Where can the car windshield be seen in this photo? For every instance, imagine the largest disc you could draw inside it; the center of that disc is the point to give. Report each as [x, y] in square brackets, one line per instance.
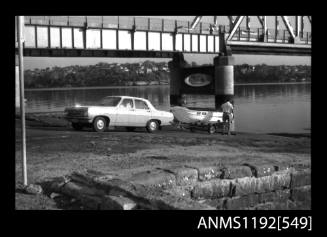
[110, 101]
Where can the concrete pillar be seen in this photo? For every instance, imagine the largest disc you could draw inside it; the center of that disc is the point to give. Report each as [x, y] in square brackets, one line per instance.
[224, 79]
[176, 76]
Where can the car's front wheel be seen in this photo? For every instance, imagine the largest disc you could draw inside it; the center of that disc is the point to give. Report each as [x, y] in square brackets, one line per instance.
[152, 126]
[99, 124]
[77, 126]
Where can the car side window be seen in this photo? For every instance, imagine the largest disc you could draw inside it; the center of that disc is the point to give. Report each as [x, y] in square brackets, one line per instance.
[127, 103]
[139, 104]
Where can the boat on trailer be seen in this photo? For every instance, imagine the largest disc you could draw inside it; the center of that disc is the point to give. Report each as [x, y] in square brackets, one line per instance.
[196, 118]
[186, 115]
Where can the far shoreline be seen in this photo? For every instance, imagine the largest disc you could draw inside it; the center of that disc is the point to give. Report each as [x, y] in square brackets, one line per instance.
[164, 85]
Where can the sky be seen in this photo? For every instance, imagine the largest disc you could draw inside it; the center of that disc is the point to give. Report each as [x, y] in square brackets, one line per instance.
[43, 62]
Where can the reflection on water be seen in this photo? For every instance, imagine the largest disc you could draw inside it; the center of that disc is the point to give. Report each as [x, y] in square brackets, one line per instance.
[259, 108]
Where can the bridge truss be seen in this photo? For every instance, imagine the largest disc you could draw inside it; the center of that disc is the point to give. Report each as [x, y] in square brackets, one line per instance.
[125, 36]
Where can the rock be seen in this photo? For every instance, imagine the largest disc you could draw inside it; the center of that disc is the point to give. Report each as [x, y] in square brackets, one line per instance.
[212, 189]
[117, 203]
[276, 196]
[91, 202]
[54, 195]
[300, 178]
[217, 203]
[208, 173]
[241, 202]
[234, 172]
[185, 175]
[78, 190]
[265, 170]
[276, 181]
[264, 206]
[157, 178]
[33, 189]
[302, 194]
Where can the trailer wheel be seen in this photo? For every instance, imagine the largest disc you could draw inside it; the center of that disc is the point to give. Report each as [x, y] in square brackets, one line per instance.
[211, 129]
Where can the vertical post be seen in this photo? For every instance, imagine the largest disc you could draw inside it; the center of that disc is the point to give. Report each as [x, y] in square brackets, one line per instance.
[265, 32]
[22, 102]
[239, 33]
[35, 30]
[132, 33]
[117, 39]
[297, 26]
[174, 36]
[199, 38]
[276, 28]
[60, 36]
[101, 43]
[160, 41]
[307, 37]
[214, 43]
[302, 26]
[191, 36]
[284, 36]
[84, 32]
[73, 40]
[49, 37]
[147, 36]
[207, 43]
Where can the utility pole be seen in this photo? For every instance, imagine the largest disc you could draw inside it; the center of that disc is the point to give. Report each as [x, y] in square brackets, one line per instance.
[22, 102]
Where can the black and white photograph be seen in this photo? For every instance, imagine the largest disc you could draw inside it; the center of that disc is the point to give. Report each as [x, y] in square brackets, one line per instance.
[163, 112]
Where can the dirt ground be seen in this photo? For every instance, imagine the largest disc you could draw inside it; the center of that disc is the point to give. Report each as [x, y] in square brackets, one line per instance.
[55, 149]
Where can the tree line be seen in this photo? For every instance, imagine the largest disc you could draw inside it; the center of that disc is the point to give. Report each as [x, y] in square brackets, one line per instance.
[150, 73]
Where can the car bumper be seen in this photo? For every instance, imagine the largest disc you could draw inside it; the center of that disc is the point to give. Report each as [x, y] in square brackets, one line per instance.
[78, 119]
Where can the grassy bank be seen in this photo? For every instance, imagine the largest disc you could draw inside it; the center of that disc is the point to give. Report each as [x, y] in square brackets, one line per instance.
[54, 150]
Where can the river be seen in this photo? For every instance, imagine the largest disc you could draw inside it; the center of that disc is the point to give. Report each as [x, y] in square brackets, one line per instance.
[259, 108]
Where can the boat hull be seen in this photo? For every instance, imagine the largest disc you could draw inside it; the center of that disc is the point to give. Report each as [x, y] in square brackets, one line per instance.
[185, 115]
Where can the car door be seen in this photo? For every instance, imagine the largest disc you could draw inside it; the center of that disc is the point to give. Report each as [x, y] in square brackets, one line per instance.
[142, 113]
[125, 110]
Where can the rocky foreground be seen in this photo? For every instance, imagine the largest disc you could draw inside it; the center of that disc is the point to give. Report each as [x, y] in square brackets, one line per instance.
[170, 169]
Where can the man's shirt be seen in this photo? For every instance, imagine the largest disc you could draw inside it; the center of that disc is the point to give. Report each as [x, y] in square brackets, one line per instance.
[227, 107]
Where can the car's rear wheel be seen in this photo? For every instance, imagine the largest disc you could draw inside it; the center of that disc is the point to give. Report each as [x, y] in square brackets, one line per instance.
[130, 129]
[152, 126]
[77, 126]
[99, 124]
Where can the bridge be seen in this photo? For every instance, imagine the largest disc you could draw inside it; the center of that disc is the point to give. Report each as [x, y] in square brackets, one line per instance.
[125, 36]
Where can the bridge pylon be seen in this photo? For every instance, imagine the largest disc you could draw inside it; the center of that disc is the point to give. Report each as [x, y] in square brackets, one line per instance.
[220, 78]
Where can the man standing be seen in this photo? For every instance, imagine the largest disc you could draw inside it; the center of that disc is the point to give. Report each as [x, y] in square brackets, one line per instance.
[227, 108]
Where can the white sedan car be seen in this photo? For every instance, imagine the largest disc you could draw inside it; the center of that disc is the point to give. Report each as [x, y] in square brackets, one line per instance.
[126, 111]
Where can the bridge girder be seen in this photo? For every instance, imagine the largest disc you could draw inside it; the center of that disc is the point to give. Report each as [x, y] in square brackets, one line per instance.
[224, 37]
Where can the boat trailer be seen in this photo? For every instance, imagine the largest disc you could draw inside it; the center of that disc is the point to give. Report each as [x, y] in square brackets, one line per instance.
[210, 127]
